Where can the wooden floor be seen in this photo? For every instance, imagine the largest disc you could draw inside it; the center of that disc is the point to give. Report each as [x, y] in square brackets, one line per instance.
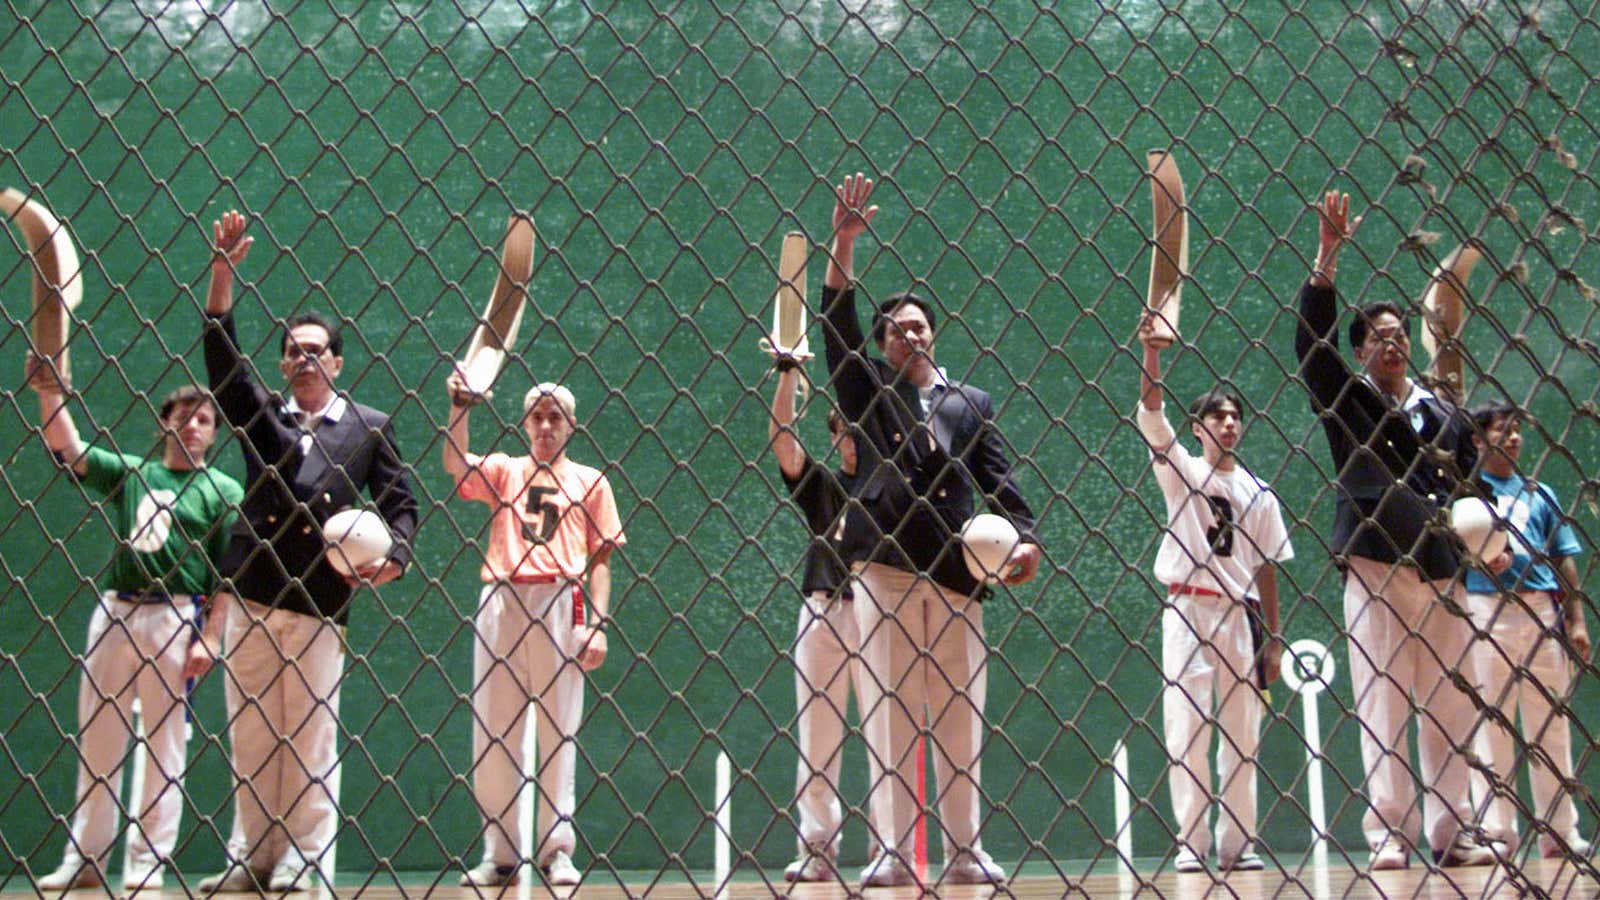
[1551, 878]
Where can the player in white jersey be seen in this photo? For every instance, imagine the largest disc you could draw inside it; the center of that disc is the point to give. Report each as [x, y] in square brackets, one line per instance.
[1223, 536]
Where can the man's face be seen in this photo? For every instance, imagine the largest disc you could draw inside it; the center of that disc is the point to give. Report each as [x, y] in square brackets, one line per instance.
[907, 338]
[1387, 349]
[1503, 438]
[193, 426]
[844, 444]
[1218, 430]
[306, 357]
[548, 429]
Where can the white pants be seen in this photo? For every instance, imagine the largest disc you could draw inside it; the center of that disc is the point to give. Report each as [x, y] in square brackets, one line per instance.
[284, 670]
[827, 665]
[1522, 667]
[924, 649]
[1208, 660]
[525, 654]
[1404, 639]
[135, 651]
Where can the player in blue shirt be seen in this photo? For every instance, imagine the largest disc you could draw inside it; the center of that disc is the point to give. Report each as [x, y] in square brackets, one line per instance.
[1520, 663]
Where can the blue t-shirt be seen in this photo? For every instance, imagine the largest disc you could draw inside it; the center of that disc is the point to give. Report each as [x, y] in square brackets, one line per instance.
[1538, 536]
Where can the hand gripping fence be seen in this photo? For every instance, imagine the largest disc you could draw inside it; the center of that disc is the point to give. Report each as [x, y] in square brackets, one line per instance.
[662, 152]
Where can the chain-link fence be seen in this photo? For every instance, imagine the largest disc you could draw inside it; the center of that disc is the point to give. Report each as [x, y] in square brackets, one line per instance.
[662, 153]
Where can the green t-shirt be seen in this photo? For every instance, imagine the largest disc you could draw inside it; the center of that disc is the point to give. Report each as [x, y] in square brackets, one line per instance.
[172, 526]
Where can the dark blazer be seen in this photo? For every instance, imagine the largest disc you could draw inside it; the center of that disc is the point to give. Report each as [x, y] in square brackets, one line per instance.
[919, 477]
[277, 554]
[1398, 471]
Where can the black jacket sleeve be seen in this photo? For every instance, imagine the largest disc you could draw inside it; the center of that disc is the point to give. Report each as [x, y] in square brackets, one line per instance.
[845, 347]
[992, 471]
[1316, 344]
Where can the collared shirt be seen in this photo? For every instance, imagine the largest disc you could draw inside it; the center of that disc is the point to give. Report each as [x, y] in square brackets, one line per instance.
[333, 412]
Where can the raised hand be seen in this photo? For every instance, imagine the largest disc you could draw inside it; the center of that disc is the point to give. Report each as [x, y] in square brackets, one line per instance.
[230, 245]
[851, 214]
[1337, 227]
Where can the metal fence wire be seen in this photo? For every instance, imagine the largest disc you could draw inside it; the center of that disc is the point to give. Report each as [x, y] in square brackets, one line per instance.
[662, 151]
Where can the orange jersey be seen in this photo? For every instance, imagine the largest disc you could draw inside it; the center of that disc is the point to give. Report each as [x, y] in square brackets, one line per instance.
[547, 521]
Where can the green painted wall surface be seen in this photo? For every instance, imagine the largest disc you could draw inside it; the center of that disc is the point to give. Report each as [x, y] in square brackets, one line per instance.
[663, 153]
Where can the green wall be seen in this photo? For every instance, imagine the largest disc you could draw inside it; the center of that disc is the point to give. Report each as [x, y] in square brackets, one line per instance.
[662, 155]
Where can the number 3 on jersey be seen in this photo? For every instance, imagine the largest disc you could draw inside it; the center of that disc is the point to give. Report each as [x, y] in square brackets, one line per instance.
[549, 514]
[1220, 535]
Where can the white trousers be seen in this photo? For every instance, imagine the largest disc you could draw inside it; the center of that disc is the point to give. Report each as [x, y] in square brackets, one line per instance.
[827, 666]
[1404, 642]
[284, 670]
[1522, 668]
[925, 652]
[1208, 662]
[134, 652]
[524, 654]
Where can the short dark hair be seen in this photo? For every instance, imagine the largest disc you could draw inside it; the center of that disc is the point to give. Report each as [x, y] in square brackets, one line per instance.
[1484, 415]
[189, 394]
[1362, 323]
[335, 339]
[880, 322]
[1213, 400]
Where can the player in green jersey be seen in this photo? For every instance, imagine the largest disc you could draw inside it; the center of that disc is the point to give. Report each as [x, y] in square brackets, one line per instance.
[171, 517]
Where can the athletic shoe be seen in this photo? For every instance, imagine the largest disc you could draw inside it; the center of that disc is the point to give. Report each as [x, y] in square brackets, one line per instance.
[1576, 848]
[973, 867]
[71, 875]
[290, 877]
[145, 875]
[1247, 861]
[488, 874]
[813, 864]
[238, 879]
[559, 871]
[1467, 850]
[886, 870]
[1189, 861]
[1389, 855]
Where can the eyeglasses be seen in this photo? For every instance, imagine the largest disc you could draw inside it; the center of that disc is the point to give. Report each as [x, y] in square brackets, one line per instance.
[303, 351]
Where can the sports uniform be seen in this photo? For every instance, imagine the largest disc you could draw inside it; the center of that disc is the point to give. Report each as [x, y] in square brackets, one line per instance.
[1222, 526]
[1520, 665]
[172, 527]
[827, 658]
[547, 523]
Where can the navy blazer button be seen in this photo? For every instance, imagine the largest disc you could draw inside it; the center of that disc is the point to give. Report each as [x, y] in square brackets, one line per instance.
[897, 437]
[305, 529]
[327, 498]
[943, 493]
[272, 520]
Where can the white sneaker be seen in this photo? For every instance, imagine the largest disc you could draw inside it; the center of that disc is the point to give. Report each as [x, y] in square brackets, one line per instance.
[1389, 855]
[71, 875]
[1575, 848]
[813, 864]
[1188, 861]
[973, 867]
[290, 877]
[143, 875]
[1247, 861]
[1467, 850]
[238, 879]
[490, 874]
[887, 870]
[559, 871]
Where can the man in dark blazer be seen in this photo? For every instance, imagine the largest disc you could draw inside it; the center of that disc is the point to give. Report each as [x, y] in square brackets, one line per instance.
[1402, 455]
[307, 456]
[927, 448]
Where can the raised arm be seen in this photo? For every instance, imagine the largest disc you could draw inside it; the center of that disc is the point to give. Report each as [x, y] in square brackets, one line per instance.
[1152, 418]
[843, 339]
[230, 245]
[780, 425]
[60, 432]
[1316, 339]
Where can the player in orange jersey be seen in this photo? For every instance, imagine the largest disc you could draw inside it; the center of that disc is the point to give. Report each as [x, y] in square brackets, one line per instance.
[555, 524]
